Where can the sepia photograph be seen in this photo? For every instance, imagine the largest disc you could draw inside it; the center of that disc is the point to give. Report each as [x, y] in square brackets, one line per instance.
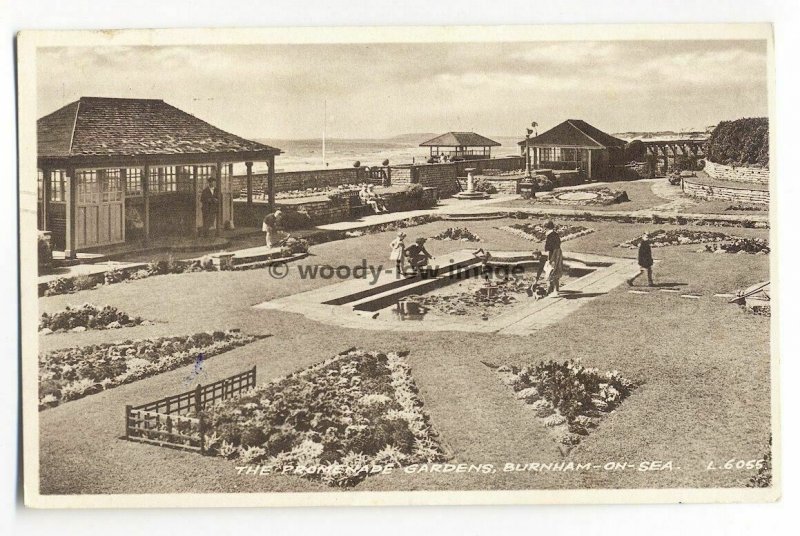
[463, 265]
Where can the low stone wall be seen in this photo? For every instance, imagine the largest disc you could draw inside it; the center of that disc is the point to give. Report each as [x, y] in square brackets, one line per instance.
[737, 174]
[568, 178]
[321, 210]
[727, 192]
[287, 181]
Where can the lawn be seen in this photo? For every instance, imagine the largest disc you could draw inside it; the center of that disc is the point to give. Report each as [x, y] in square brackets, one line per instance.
[702, 366]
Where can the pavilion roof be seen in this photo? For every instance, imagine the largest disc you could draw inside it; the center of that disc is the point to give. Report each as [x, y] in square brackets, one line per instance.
[114, 127]
[575, 133]
[460, 139]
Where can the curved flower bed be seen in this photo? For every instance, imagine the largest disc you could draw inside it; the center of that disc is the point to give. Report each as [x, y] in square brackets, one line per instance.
[537, 233]
[752, 246]
[87, 316]
[457, 233]
[585, 197]
[334, 422]
[679, 237]
[567, 398]
[73, 373]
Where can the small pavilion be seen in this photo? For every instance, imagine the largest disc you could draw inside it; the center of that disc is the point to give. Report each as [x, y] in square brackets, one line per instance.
[461, 146]
[116, 170]
[574, 144]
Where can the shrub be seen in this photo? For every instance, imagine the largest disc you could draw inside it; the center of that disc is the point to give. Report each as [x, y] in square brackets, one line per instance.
[385, 162]
[739, 142]
[482, 185]
[84, 282]
[357, 164]
[635, 151]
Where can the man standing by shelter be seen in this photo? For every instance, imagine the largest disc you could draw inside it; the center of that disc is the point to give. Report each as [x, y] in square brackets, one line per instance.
[209, 203]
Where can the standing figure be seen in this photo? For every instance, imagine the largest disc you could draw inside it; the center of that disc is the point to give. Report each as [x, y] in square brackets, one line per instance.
[398, 254]
[209, 205]
[270, 226]
[555, 258]
[645, 261]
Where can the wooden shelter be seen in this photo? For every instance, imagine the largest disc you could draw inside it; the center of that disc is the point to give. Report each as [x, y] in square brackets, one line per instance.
[574, 144]
[113, 170]
[461, 146]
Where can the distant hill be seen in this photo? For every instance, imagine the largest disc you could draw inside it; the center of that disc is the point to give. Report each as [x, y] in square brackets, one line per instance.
[660, 134]
[413, 137]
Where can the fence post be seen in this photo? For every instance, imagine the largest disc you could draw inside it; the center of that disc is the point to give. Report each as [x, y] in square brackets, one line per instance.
[127, 421]
[253, 383]
[197, 393]
[169, 426]
[201, 428]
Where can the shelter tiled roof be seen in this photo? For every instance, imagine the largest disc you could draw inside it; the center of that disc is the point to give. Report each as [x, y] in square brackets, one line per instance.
[460, 139]
[575, 133]
[98, 126]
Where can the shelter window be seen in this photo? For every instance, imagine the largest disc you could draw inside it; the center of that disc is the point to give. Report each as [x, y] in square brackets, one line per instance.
[133, 182]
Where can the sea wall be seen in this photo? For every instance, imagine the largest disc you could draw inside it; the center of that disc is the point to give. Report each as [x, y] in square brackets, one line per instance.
[737, 174]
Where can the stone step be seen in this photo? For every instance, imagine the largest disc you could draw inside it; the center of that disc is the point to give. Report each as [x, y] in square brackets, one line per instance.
[475, 216]
[263, 263]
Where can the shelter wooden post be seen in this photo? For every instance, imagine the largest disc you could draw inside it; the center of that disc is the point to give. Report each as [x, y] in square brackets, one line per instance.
[71, 195]
[249, 166]
[146, 197]
[46, 187]
[589, 164]
[221, 200]
[271, 183]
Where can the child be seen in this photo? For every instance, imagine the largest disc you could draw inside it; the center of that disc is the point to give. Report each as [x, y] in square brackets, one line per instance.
[645, 261]
[417, 255]
[398, 254]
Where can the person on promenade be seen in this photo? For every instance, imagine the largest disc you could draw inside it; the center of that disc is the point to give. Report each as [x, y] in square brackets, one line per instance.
[209, 205]
[417, 255]
[554, 267]
[398, 254]
[270, 226]
[645, 261]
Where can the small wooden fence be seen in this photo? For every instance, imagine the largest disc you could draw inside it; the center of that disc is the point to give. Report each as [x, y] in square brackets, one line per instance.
[175, 421]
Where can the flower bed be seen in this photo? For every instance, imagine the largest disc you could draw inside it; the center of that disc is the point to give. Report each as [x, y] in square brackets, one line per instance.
[752, 246]
[336, 421]
[87, 316]
[72, 373]
[567, 398]
[584, 197]
[457, 233]
[678, 237]
[537, 233]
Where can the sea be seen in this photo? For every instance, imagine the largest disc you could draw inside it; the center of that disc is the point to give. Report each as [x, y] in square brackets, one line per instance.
[305, 155]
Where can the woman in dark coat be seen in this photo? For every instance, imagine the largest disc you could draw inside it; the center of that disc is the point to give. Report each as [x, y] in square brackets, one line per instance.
[554, 268]
[645, 258]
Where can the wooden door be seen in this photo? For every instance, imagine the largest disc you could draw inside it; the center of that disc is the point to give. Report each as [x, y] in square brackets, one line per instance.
[99, 211]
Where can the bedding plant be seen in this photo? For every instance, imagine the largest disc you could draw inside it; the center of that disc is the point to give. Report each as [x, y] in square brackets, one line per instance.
[87, 316]
[333, 422]
[678, 237]
[569, 399]
[71, 373]
[537, 233]
[457, 233]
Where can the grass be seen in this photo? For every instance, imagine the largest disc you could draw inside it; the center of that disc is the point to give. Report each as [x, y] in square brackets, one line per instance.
[703, 366]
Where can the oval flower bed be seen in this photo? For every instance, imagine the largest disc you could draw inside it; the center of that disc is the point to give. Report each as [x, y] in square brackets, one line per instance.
[679, 237]
[71, 373]
[537, 233]
[752, 246]
[457, 233]
[334, 422]
[567, 398]
[584, 197]
[87, 316]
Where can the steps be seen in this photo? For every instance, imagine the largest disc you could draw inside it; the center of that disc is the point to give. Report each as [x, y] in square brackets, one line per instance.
[474, 216]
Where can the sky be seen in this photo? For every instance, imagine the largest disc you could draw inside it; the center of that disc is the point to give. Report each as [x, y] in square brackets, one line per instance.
[382, 90]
